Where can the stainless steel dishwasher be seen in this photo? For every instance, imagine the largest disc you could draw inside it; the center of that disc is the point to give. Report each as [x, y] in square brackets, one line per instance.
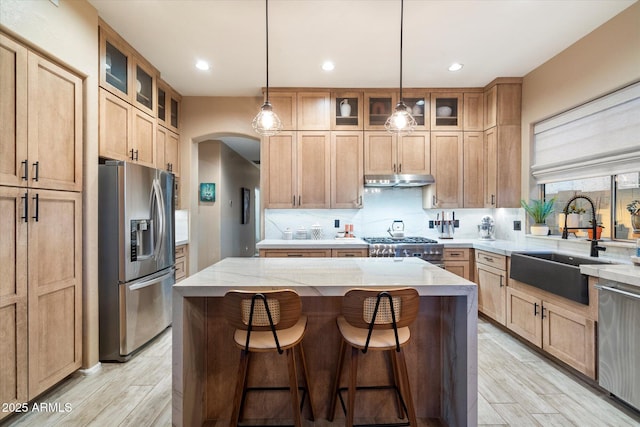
[619, 341]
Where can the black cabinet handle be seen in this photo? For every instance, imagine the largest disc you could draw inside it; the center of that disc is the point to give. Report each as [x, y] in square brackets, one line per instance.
[36, 175]
[535, 308]
[25, 199]
[543, 311]
[131, 154]
[169, 167]
[299, 200]
[25, 175]
[136, 155]
[400, 168]
[493, 199]
[37, 199]
[294, 200]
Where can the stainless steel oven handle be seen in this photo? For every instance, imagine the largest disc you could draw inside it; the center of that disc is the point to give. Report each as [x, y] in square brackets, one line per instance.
[151, 281]
[618, 291]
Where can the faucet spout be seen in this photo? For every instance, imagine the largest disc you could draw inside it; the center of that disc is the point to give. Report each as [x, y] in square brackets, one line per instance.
[594, 225]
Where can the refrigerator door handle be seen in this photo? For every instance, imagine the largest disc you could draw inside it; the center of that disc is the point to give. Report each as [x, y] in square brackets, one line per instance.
[152, 281]
[156, 195]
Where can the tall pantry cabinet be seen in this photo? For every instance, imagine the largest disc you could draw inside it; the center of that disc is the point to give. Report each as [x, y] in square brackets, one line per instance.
[41, 223]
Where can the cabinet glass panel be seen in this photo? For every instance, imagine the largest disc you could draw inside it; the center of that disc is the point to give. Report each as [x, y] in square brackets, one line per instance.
[162, 99]
[379, 111]
[347, 111]
[116, 68]
[417, 109]
[446, 111]
[144, 89]
[174, 113]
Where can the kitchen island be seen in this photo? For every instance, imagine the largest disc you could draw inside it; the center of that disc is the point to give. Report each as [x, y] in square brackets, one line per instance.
[441, 357]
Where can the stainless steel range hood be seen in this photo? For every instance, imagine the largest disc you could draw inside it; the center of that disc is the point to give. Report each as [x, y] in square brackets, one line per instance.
[398, 180]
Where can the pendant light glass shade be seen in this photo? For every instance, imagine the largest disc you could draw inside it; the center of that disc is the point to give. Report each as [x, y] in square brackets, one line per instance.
[267, 122]
[401, 121]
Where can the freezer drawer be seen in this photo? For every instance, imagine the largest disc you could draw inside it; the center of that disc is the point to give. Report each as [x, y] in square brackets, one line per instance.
[145, 309]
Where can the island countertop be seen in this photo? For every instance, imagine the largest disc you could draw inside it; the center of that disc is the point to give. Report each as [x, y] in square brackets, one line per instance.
[442, 356]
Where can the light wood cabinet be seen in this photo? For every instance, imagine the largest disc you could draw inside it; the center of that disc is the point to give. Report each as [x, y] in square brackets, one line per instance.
[13, 297]
[285, 106]
[554, 327]
[419, 104]
[446, 111]
[502, 158]
[298, 170]
[352, 119]
[386, 153]
[167, 150]
[473, 170]
[125, 133]
[447, 169]
[125, 73]
[491, 277]
[314, 111]
[459, 261]
[349, 253]
[473, 117]
[295, 253]
[169, 102]
[182, 262]
[347, 177]
[42, 121]
[41, 207]
[378, 106]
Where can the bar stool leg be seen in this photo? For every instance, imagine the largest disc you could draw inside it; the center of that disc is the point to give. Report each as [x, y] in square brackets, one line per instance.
[306, 380]
[240, 384]
[293, 386]
[407, 389]
[336, 382]
[353, 375]
[397, 382]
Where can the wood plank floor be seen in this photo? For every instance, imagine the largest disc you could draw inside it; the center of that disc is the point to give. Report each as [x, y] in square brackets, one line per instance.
[517, 387]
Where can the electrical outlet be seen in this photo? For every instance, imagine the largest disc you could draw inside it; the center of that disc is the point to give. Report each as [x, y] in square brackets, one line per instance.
[430, 223]
[517, 226]
[336, 223]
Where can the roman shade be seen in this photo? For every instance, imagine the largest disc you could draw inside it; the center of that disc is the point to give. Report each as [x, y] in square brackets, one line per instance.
[599, 138]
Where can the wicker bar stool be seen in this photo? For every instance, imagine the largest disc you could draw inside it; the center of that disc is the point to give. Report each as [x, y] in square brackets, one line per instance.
[269, 321]
[377, 320]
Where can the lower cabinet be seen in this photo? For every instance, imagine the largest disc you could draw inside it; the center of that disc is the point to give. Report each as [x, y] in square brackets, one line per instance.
[182, 262]
[491, 277]
[347, 253]
[554, 327]
[458, 261]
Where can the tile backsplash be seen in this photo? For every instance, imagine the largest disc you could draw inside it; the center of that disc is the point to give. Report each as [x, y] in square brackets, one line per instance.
[381, 208]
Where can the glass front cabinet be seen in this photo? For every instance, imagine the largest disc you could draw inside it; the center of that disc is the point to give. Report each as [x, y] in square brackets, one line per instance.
[346, 111]
[446, 111]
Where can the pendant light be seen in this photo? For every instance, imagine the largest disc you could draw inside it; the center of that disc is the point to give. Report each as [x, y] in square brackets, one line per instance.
[401, 121]
[267, 122]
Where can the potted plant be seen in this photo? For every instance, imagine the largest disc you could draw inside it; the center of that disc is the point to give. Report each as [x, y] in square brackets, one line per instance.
[573, 216]
[634, 210]
[599, 228]
[539, 210]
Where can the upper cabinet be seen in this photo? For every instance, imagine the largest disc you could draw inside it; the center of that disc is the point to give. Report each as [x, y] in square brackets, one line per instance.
[168, 106]
[378, 107]
[285, 106]
[418, 103]
[473, 117]
[446, 111]
[314, 111]
[346, 111]
[125, 73]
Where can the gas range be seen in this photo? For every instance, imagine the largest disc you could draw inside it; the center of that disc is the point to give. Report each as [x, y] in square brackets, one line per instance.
[421, 247]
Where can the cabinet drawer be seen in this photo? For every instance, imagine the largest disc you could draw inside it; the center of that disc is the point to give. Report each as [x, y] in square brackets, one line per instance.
[493, 260]
[181, 251]
[339, 253]
[456, 254]
[181, 271]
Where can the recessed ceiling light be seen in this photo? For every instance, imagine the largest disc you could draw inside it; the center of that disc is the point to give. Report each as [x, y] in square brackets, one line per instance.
[328, 66]
[455, 67]
[202, 65]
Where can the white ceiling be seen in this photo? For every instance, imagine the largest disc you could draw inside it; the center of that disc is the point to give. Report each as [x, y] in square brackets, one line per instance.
[492, 38]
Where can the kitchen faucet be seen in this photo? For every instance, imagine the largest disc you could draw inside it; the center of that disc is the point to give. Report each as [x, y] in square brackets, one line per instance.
[594, 241]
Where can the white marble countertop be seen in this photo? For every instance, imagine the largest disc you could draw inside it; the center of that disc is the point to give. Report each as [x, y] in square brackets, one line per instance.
[623, 273]
[323, 276]
[342, 243]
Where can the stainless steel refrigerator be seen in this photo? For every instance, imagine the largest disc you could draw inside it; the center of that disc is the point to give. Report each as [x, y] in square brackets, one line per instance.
[136, 256]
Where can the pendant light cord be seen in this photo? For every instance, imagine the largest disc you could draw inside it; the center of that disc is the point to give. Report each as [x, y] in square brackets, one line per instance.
[401, 28]
[267, 30]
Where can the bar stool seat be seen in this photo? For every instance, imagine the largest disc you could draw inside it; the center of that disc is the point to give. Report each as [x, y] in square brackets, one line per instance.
[269, 321]
[377, 320]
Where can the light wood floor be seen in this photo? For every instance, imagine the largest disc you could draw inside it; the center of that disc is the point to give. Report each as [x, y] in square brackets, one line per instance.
[517, 387]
